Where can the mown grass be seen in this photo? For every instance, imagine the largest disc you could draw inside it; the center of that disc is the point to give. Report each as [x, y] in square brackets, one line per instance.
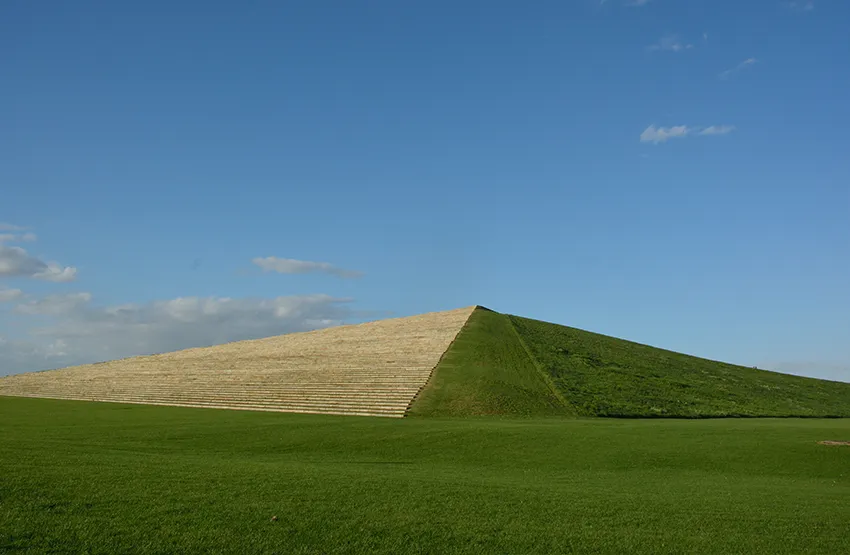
[80, 477]
[605, 376]
[487, 371]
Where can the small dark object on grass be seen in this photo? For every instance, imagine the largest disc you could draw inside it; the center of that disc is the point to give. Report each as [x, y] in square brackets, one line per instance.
[274, 518]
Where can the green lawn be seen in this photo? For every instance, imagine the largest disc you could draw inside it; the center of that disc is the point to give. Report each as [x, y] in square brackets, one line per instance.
[81, 477]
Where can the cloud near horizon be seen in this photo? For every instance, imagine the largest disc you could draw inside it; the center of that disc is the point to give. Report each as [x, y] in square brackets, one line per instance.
[7, 295]
[813, 369]
[79, 332]
[292, 266]
[54, 305]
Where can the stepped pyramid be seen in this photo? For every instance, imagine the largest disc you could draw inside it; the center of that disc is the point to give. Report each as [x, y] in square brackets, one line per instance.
[466, 362]
[373, 369]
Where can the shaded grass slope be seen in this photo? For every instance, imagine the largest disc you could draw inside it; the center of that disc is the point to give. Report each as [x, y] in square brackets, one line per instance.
[102, 478]
[488, 371]
[605, 376]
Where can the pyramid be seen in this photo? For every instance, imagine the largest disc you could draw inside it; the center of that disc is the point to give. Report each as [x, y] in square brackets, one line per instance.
[466, 362]
[373, 369]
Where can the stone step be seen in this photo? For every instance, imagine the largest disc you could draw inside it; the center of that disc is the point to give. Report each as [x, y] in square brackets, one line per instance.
[329, 392]
[268, 398]
[395, 413]
[382, 403]
[397, 384]
[265, 402]
[265, 387]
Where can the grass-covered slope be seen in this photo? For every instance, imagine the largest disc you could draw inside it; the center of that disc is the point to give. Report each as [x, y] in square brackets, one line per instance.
[104, 478]
[604, 376]
[487, 371]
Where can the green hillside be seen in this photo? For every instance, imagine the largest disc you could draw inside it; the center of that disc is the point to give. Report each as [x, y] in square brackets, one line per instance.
[488, 371]
[508, 365]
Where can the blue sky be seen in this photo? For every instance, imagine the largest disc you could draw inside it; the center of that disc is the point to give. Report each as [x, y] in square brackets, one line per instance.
[675, 172]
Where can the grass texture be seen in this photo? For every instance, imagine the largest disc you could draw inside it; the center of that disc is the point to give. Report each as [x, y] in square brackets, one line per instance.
[487, 371]
[605, 376]
[102, 478]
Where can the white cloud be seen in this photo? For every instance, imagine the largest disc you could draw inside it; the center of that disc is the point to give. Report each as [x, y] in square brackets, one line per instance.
[717, 130]
[16, 262]
[54, 305]
[10, 227]
[56, 273]
[80, 332]
[670, 43]
[15, 238]
[656, 135]
[7, 295]
[637, 3]
[291, 266]
[740, 67]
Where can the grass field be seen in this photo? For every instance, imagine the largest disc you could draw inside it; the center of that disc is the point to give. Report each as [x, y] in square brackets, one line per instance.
[79, 477]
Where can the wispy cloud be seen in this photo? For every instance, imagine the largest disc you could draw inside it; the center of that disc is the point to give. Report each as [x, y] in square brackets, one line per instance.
[7, 295]
[11, 227]
[670, 43]
[749, 62]
[17, 238]
[54, 305]
[800, 5]
[637, 3]
[656, 135]
[717, 130]
[291, 266]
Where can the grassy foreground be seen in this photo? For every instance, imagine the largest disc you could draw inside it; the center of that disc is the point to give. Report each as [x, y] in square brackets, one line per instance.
[81, 477]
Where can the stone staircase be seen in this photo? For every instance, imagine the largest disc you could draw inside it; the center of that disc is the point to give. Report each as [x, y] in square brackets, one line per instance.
[371, 369]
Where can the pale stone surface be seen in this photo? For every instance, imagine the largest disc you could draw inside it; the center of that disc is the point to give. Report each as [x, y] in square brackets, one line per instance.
[376, 368]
